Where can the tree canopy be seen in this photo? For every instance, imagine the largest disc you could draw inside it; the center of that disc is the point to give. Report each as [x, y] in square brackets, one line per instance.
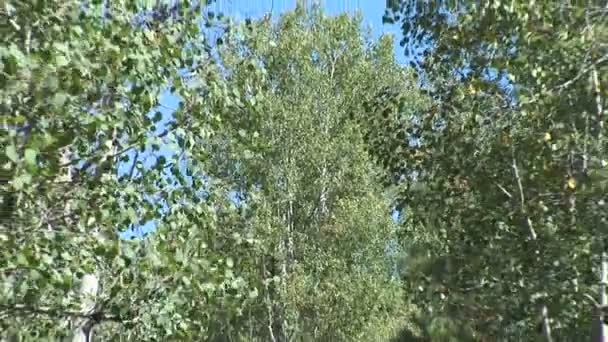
[510, 165]
[271, 222]
[264, 159]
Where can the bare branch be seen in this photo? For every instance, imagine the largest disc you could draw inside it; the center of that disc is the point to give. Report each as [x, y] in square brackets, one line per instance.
[592, 300]
[522, 198]
[133, 165]
[598, 94]
[582, 73]
[502, 188]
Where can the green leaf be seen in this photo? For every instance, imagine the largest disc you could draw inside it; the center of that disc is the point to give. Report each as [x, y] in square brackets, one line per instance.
[132, 215]
[253, 293]
[157, 116]
[11, 153]
[130, 189]
[22, 260]
[35, 274]
[22, 181]
[247, 154]
[61, 61]
[59, 99]
[30, 157]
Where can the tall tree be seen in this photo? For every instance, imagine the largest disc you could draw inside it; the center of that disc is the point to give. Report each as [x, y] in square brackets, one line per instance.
[509, 165]
[270, 222]
[291, 139]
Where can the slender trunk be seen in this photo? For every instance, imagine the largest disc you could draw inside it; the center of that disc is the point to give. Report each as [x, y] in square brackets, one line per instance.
[82, 326]
[546, 324]
[324, 180]
[325, 130]
[600, 331]
[282, 289]
[288, 241]
[269, 297]
[544, 312]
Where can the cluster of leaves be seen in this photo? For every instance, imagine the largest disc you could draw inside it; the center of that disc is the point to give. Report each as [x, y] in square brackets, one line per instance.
[503, 191]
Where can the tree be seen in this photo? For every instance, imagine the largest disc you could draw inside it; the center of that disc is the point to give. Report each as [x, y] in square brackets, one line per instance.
[291, 148]
[270, 222]
[79, 81]
[507, 192]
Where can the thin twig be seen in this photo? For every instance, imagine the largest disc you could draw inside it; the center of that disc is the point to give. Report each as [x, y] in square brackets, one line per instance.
[522, 198]
[585, 144]
[133, 165]
[583, 72]
[519, 185]
[502, 188]
[598, 95]
[89, 162]
[592, 300]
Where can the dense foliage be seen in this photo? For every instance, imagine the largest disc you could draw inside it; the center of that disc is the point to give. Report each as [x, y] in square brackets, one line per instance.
[270, 221]
[297, 162]
[265, 158]
[507, 202]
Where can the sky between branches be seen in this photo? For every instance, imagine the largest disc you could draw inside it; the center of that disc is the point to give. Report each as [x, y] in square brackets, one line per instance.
[371, 11]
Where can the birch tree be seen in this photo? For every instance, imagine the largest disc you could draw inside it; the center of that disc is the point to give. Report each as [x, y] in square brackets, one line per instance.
[292, 139]
[510, 163]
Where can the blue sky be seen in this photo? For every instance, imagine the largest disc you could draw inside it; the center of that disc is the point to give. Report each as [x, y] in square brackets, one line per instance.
[372, 12]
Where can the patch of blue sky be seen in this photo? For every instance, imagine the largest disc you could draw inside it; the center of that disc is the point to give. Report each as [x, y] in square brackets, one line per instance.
[167, 103]
[371, 13]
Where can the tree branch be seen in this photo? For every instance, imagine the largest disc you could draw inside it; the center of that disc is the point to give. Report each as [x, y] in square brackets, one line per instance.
[90, 156]
[25, 310]
[582, 73]
[544, 313]
[522, 198]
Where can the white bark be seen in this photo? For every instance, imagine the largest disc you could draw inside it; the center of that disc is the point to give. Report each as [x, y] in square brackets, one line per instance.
[82, 326]
[600, 331]
[546, 324]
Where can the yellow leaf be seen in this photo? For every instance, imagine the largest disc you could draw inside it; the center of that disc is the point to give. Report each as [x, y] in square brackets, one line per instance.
[90, 220]
[149, 34]
[571, 183]
[547, 136]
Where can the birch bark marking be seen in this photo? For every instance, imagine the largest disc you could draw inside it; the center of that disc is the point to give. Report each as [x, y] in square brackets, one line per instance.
[544, 311]
[600, 331]
[82, 326]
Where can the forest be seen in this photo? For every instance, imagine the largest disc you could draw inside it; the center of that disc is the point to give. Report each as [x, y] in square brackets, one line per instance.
[169, 173]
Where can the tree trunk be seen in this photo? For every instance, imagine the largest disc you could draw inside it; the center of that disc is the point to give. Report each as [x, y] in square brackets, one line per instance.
[599, 329]
[82, 325]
